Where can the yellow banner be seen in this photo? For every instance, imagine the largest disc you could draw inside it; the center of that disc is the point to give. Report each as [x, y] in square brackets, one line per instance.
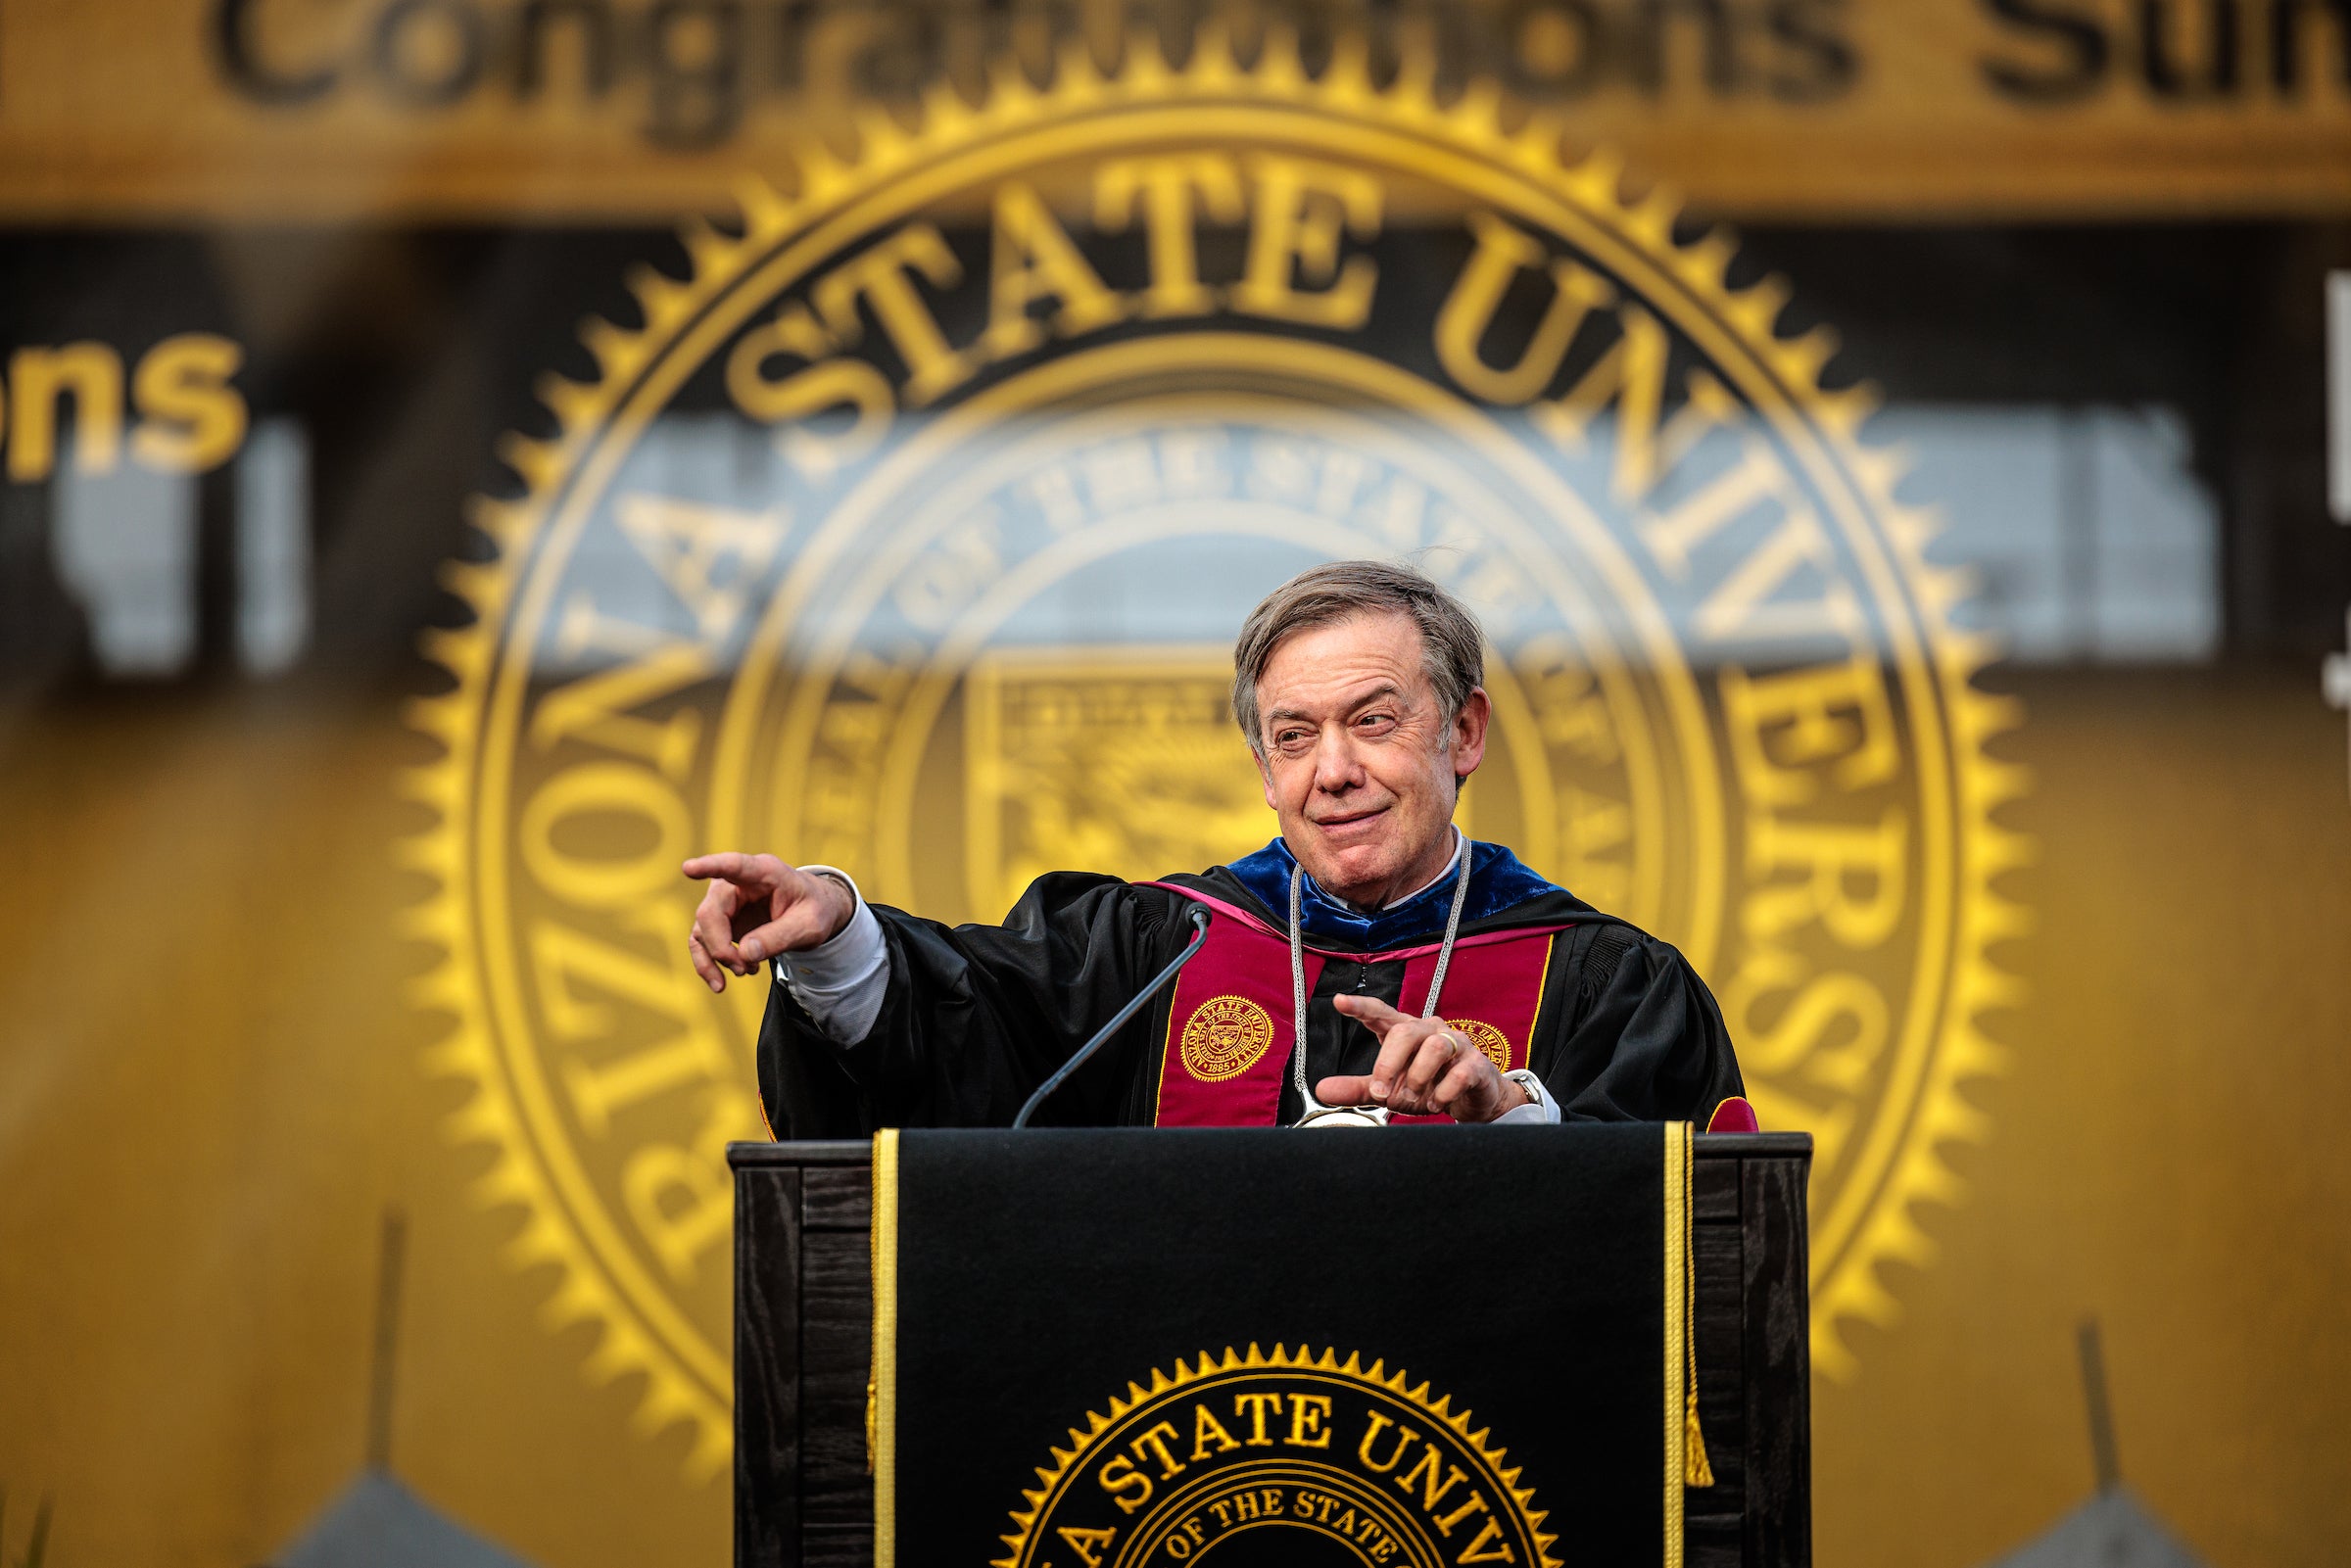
[627, 110]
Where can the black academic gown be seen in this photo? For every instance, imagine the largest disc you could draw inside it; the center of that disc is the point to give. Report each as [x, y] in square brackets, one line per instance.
[978, 1016]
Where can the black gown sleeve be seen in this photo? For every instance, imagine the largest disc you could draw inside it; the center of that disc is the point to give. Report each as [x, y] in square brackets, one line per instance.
[977, 1016]
[1645, 1041]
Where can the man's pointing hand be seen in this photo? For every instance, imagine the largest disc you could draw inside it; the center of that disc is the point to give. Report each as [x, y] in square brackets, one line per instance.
[756, 908]
[1426, 1068]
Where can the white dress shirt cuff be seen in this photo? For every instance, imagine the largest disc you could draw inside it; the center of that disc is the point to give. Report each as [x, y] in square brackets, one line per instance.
[841, 985]
[1539, 1110]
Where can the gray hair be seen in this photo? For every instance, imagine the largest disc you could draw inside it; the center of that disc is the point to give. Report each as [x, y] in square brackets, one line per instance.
[1452, 649]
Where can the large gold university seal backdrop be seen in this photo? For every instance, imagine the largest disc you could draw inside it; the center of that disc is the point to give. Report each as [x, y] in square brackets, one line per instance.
[909, 530]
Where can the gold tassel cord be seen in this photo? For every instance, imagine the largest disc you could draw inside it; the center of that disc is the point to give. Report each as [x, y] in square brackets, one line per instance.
[1695, 1471]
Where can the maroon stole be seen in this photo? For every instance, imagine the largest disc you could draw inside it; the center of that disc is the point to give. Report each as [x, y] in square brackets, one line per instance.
[1230, 1031]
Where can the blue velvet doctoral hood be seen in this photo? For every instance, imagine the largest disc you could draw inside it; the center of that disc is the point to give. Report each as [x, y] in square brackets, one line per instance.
[1497, 882]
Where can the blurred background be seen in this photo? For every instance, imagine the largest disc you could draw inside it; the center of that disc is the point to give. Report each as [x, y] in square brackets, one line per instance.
[297, 1199]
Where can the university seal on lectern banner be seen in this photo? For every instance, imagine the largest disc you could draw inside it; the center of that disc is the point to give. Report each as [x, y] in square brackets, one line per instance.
[908, 526]
[1368, 1462]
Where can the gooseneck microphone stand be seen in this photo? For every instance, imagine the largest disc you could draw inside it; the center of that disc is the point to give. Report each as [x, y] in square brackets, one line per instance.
[1199, 918]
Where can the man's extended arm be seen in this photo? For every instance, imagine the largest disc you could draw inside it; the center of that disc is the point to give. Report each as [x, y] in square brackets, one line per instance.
[925, 1024]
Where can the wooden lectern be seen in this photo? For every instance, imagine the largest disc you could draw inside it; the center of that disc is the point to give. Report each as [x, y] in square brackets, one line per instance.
[803, 1351]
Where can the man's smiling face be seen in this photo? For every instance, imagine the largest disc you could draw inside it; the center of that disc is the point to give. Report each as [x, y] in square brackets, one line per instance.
[1359, 761]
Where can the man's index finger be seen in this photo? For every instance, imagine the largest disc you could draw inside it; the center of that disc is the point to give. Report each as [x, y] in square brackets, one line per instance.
[1369, 1011]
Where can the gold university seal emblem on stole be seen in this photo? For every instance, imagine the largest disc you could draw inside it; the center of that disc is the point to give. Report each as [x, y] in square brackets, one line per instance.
[1224, 1038]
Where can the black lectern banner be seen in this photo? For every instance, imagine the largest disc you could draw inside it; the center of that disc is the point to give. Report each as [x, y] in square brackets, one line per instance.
[1417, 1346]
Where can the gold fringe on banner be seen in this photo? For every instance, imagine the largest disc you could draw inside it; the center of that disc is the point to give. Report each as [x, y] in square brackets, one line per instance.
[882, 1389]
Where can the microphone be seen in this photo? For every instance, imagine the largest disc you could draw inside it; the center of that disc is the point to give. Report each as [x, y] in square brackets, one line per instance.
[1199, 918]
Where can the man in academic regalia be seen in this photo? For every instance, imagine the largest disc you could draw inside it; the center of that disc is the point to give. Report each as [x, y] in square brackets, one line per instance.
[1442, 977]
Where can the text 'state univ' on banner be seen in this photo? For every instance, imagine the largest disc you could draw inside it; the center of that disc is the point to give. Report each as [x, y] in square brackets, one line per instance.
[939, 480]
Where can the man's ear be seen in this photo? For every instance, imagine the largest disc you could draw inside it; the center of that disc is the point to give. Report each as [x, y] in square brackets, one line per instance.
[1264, 780]
[1469, 731]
